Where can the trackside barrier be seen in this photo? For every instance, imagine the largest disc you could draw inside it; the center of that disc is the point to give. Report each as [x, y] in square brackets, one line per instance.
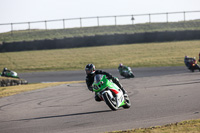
[100, 40]
[101, 21]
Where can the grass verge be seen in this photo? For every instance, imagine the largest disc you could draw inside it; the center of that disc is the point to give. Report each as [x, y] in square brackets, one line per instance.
[190, 126]
[133, 55]
[12, 90]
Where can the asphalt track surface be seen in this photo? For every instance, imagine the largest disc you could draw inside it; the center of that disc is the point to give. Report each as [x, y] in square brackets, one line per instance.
[158, 95]
[38, 77]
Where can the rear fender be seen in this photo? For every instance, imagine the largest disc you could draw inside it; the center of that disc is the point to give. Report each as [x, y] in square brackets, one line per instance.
[119, 96]
[120, 99]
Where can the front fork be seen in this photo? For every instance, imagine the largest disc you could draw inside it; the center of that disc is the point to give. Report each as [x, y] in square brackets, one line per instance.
[119, 98]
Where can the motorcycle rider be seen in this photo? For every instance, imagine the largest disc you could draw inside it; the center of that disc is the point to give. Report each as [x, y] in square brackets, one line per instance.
[91, 72]
[121, 68]
[5, 70]
[187, 61]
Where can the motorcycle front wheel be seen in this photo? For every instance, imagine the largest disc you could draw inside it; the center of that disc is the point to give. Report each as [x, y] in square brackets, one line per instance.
[110, 102]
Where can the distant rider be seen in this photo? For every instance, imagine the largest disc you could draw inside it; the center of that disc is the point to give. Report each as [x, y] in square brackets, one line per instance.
[5, 70]
[121, 69]
[188, 61]
[91, 72]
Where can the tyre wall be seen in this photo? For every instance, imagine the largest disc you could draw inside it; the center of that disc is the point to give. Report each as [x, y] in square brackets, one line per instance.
[12, 82]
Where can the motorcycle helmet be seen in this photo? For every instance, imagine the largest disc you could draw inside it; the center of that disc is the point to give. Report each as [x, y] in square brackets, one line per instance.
[5, 69]
[90, 69]
[120, 65]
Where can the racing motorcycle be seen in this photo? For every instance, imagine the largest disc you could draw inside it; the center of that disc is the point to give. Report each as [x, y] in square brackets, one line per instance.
[11, 74]
[192, 65]
[110, 93]
[127, 73]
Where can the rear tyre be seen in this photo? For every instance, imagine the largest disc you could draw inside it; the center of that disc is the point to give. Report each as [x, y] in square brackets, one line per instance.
[128, 103]
[191, 69]
[132, 76]
[110, 102]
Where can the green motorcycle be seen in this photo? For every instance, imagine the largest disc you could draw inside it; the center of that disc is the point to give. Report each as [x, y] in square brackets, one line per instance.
[127, 72]
[110, 93]
[11, 74]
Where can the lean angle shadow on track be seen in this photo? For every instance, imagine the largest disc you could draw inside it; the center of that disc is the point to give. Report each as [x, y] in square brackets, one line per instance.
[67, 115]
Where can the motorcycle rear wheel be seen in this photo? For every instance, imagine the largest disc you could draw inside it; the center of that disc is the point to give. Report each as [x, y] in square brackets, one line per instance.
[132, 76]
[128, 103]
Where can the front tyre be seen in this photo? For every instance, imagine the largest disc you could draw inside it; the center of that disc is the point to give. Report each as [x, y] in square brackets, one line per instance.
[110, 102]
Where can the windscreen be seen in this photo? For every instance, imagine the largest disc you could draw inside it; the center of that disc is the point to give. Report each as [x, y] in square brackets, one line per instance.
[98, 78]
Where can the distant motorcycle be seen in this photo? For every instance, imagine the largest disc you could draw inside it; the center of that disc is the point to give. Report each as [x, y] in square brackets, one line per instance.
[11, 74]
[127, 73]
[192, 65]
